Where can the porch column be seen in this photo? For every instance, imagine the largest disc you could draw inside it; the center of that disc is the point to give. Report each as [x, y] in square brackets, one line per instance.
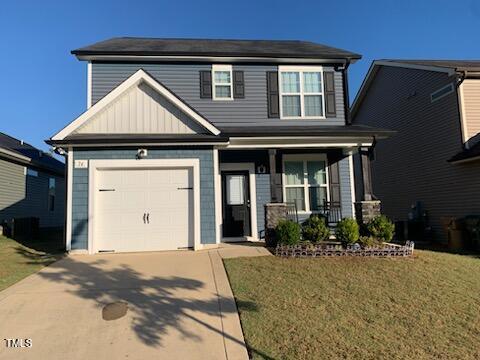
[366, 174]
[369, 207]
[275, 178]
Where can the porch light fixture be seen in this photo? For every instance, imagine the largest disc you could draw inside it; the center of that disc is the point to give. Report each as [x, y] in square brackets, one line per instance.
[141, 154]
[262, 169]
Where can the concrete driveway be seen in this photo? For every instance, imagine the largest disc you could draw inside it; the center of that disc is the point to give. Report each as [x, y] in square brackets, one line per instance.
[180, 306]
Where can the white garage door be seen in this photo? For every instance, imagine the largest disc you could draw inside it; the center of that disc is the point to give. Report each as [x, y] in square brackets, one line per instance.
[143, 209]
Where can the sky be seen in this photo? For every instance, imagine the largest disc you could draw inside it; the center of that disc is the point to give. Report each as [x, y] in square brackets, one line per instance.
[43, 86]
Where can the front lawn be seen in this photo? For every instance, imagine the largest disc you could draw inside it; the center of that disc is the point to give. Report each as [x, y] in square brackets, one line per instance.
[358, 308]
[17, 261]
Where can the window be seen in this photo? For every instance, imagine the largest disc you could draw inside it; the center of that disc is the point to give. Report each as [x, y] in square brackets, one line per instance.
[301, 92]
[235, 188]
[444, 91]
[305, 181]
[222, 82]
[31, 172]
[51, 194]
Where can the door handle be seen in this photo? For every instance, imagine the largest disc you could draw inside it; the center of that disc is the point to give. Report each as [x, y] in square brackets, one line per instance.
[144, 217]
[148, 218]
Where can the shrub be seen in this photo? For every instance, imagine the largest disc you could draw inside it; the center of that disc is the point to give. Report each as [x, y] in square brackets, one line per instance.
[368, 241]
[381, 228]
[347, 231]
[288, 232]
[315, 229]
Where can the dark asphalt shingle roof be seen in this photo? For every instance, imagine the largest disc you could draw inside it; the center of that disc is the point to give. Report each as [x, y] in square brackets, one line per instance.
[214, 47]
[459, 65]
[38, 158]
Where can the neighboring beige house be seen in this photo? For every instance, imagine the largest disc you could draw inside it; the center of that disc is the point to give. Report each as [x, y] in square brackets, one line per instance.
[434, 105]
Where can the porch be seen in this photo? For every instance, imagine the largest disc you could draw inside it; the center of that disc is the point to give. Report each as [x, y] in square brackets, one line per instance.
[306, 180]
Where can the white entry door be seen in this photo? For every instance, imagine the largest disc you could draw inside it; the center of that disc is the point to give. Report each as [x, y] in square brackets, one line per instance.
[143, 209]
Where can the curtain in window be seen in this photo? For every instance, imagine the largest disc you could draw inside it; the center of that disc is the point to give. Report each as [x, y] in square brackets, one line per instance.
[222, 77]
[312, 82]
[313, 105]
[291, 105]
[290, 82]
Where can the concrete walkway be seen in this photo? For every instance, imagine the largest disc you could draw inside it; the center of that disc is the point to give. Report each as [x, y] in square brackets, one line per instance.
[180, 306]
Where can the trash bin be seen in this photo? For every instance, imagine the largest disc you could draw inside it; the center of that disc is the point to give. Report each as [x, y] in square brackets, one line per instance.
[453, 229]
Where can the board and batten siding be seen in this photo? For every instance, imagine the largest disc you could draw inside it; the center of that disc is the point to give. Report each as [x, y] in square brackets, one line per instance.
[471, 109]
[412, 165]
[23, 195]
[184, 81]
[80, 188]
[140, 110]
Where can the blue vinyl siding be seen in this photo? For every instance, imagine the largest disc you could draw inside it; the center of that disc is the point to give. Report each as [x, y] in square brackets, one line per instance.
[262, 183]
[184, 80]
[346, 187]
[80, 188]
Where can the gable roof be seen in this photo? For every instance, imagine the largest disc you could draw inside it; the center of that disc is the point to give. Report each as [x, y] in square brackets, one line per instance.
[467, 68]
[214, 47]
[12, 148]
[135, 79]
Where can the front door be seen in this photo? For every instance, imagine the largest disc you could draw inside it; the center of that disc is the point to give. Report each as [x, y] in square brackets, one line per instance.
[236, 204]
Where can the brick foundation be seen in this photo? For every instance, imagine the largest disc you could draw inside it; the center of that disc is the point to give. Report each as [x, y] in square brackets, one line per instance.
[367, 210]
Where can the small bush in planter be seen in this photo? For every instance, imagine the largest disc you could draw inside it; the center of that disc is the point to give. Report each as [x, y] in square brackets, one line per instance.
[288, 233]
[381, 228]
[315, 229]
[368, 242]
[347, 231]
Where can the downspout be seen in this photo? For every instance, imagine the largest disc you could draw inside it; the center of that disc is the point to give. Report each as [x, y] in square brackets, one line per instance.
[460, 78]
[345, 93]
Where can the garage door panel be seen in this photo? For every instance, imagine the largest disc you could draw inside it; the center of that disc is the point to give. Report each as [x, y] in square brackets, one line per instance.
[164, 194]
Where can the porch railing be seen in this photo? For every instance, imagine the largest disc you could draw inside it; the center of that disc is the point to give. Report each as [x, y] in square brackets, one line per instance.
[332, 211]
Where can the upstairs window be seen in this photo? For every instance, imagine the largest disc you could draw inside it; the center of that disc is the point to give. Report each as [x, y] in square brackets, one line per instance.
[301, 92]
[51, 194]
[222, 82]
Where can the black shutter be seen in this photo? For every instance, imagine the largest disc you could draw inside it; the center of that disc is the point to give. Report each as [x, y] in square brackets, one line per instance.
[334, 182]
[329, 85]
[205, 84]
[238, 85]
[272, 94]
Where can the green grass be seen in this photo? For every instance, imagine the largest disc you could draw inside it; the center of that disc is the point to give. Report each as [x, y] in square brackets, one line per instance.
[426, 307]
[17, 261]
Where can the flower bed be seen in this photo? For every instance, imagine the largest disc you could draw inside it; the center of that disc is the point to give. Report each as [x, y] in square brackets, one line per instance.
[317, 250]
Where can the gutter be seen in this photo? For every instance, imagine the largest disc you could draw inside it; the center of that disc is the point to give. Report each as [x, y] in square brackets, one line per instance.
[346, 97]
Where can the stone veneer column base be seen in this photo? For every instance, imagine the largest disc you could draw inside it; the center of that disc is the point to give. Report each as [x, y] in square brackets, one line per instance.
[367, 210]
[274, 212]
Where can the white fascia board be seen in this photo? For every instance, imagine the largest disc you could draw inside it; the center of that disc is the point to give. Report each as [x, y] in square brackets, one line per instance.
[295, 142]
[14, 155]
[135, 79]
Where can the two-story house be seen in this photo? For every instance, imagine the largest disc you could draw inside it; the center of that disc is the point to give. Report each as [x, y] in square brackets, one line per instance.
[431, 165]
[185, 142]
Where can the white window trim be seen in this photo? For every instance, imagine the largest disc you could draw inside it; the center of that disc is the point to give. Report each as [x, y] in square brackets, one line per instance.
[214, 89]
[450, 86]
[306, 194]
[300, 70]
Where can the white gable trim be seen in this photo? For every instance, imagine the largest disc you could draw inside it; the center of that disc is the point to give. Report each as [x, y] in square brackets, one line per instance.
[135, 79]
